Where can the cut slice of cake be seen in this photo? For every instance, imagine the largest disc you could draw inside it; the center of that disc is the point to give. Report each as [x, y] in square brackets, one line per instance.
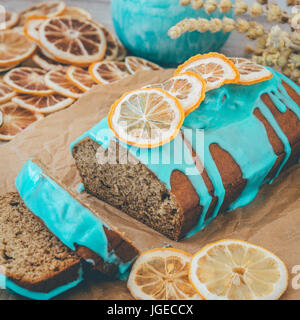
[73, 222]
[239, 138]
[33, 262]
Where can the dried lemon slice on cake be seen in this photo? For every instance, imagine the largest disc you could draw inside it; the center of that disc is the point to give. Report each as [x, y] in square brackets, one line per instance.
[15, 120]
[251, 72]
[6, 92]
[43, 104]
[146, 118]
[214, 68]
[188, 88]
[32, 27]
[73, 40]
[81, 78]
[58, 81]
[28, 80]
[108, 71]
[45, 9]
[135, 64]
[76, 12]
[237, 270]
[162, 274]
[14, 47]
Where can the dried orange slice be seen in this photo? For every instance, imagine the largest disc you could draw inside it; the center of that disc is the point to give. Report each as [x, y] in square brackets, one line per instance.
[57, 80]
[14, 47]
[11, 19]
[108, 71]
[237, 270]
[188, 88]
[43, 104]
[146, 118]
[15, 120]
[6, 92]
[162, 274]
[112, 45]
[44, 62]
[251, 72]
[77, 12]
[135, 64]
[73, 40]
[122, 52]
[32, 27]
[28, 80]
[8, 67]
[46, 9]
[214, 67]
[81, 78]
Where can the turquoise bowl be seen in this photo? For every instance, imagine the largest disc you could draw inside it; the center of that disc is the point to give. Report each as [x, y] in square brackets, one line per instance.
[142, 26]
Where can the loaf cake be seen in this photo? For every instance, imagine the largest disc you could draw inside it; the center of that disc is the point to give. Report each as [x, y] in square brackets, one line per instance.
[76, 225]
[33, 262]
[250, 133]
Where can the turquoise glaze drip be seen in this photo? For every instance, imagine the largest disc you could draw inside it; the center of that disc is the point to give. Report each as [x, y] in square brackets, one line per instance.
[226, 118]
[11, 286]
[64, 216]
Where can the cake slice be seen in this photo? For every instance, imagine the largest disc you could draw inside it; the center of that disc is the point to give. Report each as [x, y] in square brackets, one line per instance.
[250, 133]
[33, 262]
[73, 222]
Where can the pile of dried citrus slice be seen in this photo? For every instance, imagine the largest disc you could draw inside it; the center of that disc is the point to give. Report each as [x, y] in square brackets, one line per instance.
[224, 270]
[50, 54]
[139, 120]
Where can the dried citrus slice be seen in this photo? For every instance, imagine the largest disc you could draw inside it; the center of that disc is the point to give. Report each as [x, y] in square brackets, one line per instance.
[135, 64]
[237, 270]
[8, 67]
[77, 12]
[81, 78]
[251, 72]
[188, 88]
[32, 27]
[146, 118]
[162, 274]
[73, 40]
[214, 67]
[108, 71]
[44, 62]
[43, 104]
[46, 9]
[112, 44]
[28, 80]
[58, 81]
[122, 52]
[6, 92]
[11, 19]
[15, 120]
[14, 47]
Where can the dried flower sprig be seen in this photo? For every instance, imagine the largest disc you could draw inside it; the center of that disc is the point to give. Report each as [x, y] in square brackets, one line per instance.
[274, 47]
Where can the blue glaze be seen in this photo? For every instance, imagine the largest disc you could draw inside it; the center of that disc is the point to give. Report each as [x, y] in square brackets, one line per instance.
[226, 118]
[142, 26]
[80, 188]
[11, 286]
[64, 216]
